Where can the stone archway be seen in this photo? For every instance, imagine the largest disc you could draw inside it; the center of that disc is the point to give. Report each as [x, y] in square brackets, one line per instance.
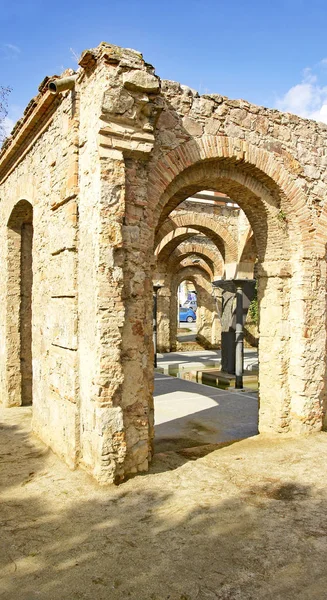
[208, 330]
[212, 258]
[172, 257]
[152, 144]
[19, 305]
[192, 223]
[275, 206]
[265, 200]
[170, 248]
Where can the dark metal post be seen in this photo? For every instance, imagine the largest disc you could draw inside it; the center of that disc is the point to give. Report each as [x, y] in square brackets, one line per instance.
[155, 321]
[155, 291]
[239, 338]
[232, 322]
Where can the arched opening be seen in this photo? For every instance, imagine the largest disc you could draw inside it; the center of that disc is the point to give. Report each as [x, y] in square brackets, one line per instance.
[275, 208]
[197, 244]
[263, 203]
[186, 303]
[196, 234]
[19, 305]
[206, 328]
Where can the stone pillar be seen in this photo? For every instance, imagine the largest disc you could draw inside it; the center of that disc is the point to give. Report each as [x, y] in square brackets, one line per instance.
[215, 328]
[117, 425]
[163, 323]
[291, 346]
[208, 325]
[117, 422]
[274, 394]
[174, 319]
[230, 270]
[307, 324]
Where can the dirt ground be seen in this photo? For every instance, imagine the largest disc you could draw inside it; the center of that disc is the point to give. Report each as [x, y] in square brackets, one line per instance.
[245, 522]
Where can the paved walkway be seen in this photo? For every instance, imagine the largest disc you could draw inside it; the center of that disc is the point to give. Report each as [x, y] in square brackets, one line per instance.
[190, 414]
[201, 359]
[187, 332]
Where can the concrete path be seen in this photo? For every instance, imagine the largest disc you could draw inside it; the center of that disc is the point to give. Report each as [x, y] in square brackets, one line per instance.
[187, 332]
[200, 359]
[189, 414]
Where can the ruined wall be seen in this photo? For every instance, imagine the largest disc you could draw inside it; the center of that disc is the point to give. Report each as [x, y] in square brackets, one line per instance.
[103, 167]
[45, 179]
[273, 165]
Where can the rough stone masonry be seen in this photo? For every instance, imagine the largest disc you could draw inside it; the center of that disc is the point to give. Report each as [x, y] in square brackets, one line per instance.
[88, 179]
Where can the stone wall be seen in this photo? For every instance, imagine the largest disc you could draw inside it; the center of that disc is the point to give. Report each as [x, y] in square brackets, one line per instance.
[38, 170]
[103, 166]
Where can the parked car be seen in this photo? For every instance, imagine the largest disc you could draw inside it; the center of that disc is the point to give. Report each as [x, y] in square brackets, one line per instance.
[191, 304]
[186, 315]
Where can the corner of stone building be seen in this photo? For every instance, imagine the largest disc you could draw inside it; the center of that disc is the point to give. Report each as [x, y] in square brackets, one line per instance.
[119, 108]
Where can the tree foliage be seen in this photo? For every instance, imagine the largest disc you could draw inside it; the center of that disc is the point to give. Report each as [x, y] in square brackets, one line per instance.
[254, 308]
[4, 92]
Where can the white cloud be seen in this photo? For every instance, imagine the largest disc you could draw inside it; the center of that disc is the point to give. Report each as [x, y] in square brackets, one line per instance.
[9, 51]
[308, 98]
[13, 48]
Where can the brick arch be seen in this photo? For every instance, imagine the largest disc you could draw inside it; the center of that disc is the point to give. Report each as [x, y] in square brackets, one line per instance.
[254, 177]
[213, 259]
[25, 191]
[248, 248]
[172, 241]
[186, 262]
[202, 283]
[180, 235]
[194, 274]
[207, 225]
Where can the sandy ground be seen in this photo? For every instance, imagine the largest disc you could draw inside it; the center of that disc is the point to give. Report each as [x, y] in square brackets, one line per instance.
[245, 522]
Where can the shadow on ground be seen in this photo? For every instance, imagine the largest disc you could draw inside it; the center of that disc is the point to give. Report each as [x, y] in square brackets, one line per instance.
[247, 522]
[192, 420]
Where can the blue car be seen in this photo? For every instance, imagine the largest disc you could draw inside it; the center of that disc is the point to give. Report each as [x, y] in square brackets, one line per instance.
[186, 315]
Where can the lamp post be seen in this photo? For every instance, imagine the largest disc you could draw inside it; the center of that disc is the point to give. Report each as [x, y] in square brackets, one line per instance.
[156, 287]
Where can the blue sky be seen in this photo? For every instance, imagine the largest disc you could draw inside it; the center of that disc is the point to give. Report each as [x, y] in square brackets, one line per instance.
[270, 53]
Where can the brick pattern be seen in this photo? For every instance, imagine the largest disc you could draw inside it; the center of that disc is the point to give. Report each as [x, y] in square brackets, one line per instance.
[103, 167]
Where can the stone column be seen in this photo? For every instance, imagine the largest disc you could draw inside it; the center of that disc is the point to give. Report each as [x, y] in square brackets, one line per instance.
[163, 316]
[120, 423]
[291, 346]
[274, 348]
[307, 326]
[208, 325]
[203, 323]
[174, 318]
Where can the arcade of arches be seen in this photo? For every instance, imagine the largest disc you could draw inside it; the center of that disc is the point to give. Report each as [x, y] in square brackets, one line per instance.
[97, 203]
